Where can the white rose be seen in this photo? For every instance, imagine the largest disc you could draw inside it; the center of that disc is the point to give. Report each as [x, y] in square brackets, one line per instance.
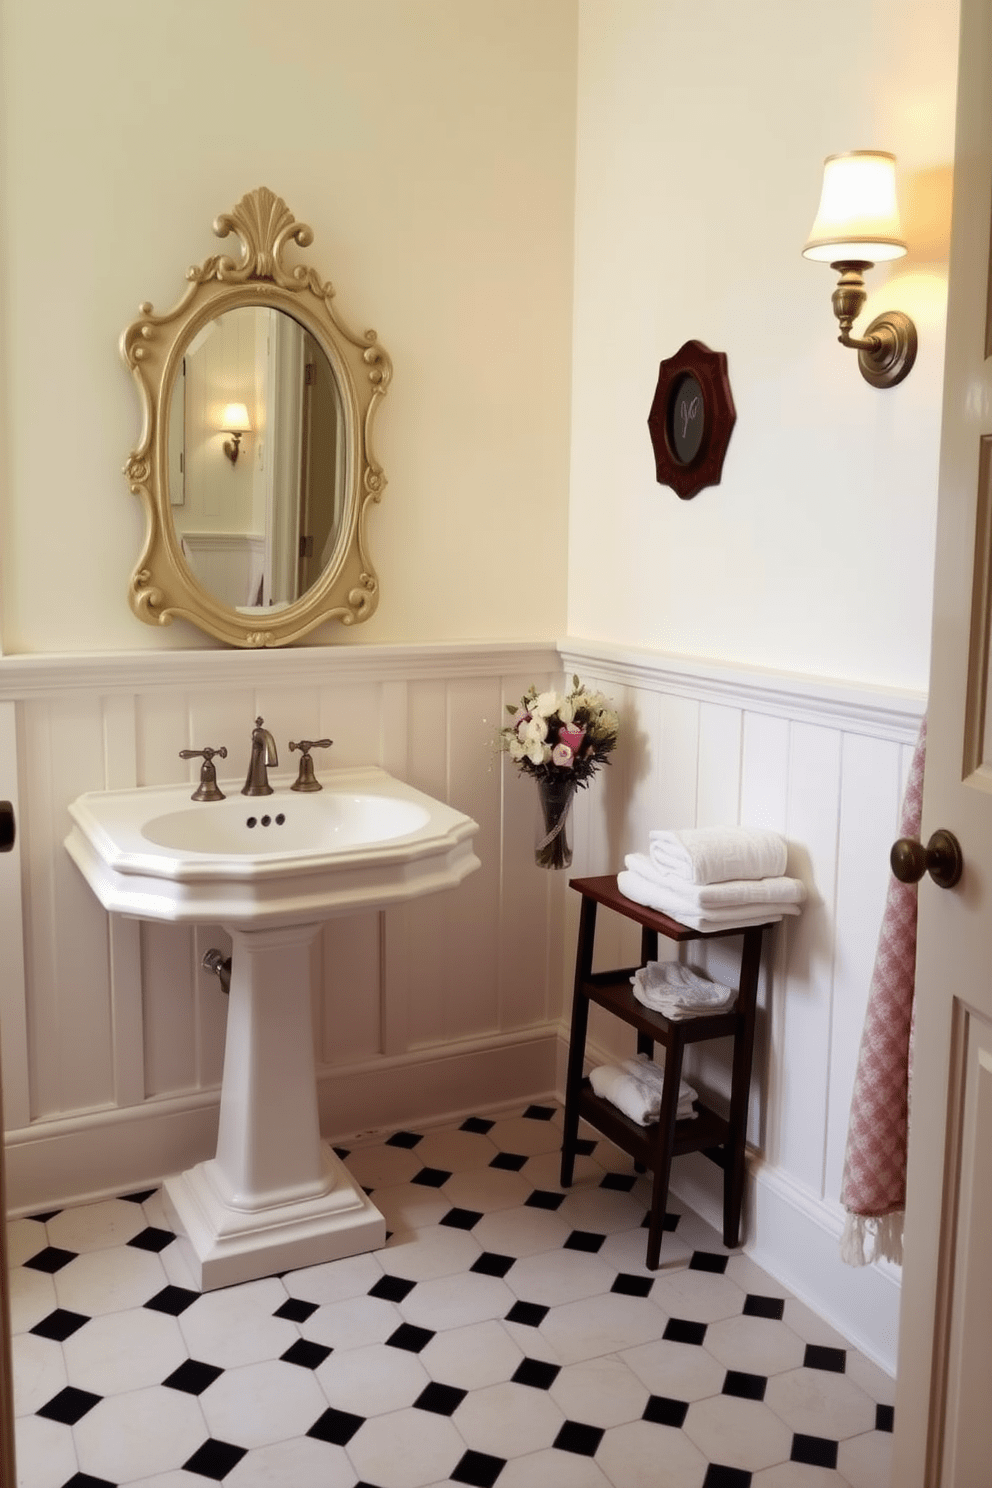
[545, 704]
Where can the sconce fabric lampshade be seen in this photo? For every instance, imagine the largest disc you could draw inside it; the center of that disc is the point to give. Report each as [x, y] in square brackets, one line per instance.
[236, 419]
[858, 216]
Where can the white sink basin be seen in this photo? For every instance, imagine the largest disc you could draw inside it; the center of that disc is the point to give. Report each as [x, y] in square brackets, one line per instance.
[365, 840]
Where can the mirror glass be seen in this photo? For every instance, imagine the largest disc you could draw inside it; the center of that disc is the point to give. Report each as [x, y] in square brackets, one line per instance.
[258, 515]
[255, 462]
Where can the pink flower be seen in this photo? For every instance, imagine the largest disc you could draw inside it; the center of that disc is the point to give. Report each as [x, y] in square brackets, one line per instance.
[562, 755]
[572, 737]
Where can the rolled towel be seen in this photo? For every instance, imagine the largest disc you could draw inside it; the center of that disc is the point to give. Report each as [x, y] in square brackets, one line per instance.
[705, 855]
[653, 1076]
[732, 893]
[677, 992]
[642, 891]
[633, 1090]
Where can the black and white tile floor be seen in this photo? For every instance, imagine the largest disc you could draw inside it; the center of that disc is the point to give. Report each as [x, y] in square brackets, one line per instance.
[508, 1333]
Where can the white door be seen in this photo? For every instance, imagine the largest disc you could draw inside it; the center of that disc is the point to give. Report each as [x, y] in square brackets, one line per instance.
[943, 1421]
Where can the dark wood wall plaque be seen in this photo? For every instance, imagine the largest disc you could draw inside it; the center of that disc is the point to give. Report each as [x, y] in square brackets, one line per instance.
[691, 419]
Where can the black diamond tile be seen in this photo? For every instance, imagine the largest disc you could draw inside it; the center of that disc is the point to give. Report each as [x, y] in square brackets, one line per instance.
[543, 1198]
[69, 1405]
[884, 1418]
[296, 1310]
[461, 1219]
[578, 1438]
[816, 1450]
[152, 1239]
[818, 1357]
[392, 1288]
[665, 1412]
[536, 1373]
[173, 1300]
[442, 1400]
[139, 1198]
[511, 1161]
[632, 1286]
[336, 1426]
[478, 1469]
[410, 1338]
[193, 1377]
[306, 1354]
[477, 1124]
[431, 1177]
[86, 1480]
[44, 1218]
[718, 1476]
[404, 1139]
[214, 1459]
[681, 1330]
[530, 1314]
[620, 1182]
[584, 1240]
[59, 1325]
[342, 1152]
[745, 1386]
[766, 1307]
[708, 1260]
[585, 1146]
[669, 1224]
[540, 1113]
[51, 1259]
[491, 1264]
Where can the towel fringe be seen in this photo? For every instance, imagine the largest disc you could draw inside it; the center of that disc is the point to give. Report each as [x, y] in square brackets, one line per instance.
[866, 1239]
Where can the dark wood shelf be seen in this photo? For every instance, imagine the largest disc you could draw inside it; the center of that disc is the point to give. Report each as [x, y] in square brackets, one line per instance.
[654, 1146]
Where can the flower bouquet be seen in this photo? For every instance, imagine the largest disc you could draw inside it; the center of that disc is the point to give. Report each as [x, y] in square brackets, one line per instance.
[561, 741]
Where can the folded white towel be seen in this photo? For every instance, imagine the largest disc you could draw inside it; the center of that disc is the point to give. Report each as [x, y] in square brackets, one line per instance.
[730, 894]
[635, 1086]
[706, 855]
[642, 891]
[677, 992]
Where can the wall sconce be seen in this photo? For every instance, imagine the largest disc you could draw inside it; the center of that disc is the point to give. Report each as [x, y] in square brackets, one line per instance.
[857, 225]
[235, 423]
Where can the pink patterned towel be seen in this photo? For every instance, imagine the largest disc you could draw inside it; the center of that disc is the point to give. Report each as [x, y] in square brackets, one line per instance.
[874, 1188]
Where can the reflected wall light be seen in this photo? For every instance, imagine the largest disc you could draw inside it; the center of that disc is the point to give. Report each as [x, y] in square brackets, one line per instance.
[235, 422]
[857, 225]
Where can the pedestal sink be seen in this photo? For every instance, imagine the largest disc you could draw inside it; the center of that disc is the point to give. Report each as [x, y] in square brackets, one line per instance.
[270, 869]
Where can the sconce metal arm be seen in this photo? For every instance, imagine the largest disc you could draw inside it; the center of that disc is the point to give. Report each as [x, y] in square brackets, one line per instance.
[887, 351]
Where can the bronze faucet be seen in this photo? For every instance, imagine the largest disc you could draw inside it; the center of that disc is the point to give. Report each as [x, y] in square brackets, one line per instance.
[263, 754]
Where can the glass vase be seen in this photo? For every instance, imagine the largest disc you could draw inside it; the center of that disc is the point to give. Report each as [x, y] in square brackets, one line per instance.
[553, 849]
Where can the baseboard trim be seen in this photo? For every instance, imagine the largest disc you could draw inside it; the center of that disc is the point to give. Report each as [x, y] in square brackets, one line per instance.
[96, 1154]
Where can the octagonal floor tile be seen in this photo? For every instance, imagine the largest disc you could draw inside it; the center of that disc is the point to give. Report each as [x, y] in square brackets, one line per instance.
[602, 1391]
[738, 1433]
[355, 1323]
[508, 1420]
[288, 1464]
[49, 1449]
[679, 1371]
[236, 1325]
[96, 1226]
[758, 1345]
[700, 1295]
[259, 1404]
[39, 1372]
[109, 1280]
[142, 1432]
[486, 1189]
[124, 1351]
[561, 1276]
[631, 1455]
[406, 1449]
[818, 1402]
[455, 1301]
[601, 1325]
[472, 1357]
[335, 1281]
[436, 1250]
[373, 1380]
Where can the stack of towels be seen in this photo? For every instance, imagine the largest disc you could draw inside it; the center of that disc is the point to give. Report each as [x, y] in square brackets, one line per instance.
[635, 1087]
[710, 878]
[677, 991]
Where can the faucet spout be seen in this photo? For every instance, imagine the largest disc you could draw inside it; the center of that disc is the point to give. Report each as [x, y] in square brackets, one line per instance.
[263, 754]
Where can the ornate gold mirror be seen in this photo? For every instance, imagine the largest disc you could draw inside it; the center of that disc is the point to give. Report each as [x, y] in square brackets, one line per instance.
[255, 462]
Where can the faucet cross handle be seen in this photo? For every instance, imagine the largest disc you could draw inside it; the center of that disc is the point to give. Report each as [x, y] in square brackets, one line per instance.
[208, 789]
[307, 780]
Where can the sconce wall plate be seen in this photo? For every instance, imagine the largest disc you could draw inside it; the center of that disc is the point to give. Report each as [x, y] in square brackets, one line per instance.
[691, 419]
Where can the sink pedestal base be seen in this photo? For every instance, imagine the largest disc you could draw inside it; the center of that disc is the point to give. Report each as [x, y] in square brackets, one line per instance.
[274, 1197]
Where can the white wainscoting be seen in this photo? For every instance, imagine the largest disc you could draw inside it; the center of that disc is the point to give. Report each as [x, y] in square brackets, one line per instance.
[113, 1035]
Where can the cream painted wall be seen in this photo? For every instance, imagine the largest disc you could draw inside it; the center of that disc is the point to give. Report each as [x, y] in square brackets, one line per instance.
[701, 134]
[430, 144]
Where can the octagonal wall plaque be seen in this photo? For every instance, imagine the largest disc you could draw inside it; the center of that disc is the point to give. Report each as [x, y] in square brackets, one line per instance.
[691, 419]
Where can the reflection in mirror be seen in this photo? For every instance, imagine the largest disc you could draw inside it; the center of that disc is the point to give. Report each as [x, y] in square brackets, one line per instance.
[255, 463]
[258, 528]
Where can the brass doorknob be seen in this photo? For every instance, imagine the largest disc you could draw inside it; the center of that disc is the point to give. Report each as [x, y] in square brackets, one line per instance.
[941, 858]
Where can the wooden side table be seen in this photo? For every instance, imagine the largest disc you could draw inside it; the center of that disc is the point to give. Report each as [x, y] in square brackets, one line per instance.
[721, 1138]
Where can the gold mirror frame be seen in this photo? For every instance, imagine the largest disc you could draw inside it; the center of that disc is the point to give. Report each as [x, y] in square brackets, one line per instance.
[163, 586]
